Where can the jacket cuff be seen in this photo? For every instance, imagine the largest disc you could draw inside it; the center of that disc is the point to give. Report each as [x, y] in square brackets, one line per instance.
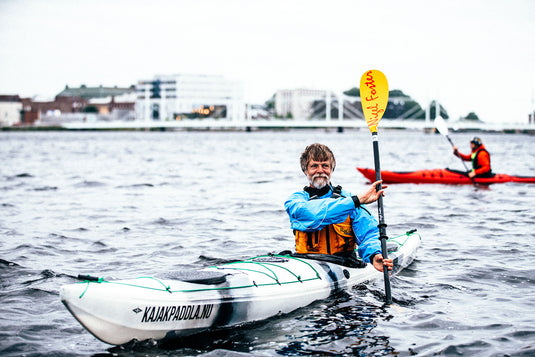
[356, 201]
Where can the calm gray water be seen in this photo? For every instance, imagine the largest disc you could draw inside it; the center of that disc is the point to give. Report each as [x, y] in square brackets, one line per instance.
[128, 204]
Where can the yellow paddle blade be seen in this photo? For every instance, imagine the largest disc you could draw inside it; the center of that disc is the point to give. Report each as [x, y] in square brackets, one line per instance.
[373, 97]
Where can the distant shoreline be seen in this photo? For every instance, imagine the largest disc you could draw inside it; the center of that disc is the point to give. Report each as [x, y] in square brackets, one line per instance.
[248, 129]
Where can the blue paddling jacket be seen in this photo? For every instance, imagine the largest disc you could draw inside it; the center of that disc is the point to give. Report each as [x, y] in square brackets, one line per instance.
[312, 215]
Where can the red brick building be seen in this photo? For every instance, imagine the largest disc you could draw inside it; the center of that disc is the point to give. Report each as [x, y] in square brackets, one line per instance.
[101, 100]
[34, 109]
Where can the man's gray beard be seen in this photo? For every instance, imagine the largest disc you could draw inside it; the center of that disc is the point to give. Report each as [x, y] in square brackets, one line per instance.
[319, 184]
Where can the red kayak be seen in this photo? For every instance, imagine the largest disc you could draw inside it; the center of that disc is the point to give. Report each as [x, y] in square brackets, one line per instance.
[443, 176]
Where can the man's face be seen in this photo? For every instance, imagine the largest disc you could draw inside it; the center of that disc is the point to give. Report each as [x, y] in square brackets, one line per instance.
[319, 173]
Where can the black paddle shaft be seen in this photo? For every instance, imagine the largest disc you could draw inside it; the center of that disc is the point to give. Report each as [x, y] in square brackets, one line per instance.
[382, 225]
[453, 145]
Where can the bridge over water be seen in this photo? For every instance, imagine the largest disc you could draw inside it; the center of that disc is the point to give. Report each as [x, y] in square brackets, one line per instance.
[226, 124]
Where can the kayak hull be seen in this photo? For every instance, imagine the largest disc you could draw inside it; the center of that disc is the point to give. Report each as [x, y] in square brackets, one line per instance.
[441, 176]
[117, 312]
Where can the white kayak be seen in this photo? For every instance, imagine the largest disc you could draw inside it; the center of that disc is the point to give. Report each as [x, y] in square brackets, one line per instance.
[119, 311]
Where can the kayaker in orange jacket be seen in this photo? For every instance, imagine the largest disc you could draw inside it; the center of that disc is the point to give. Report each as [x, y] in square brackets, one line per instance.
[480, 158]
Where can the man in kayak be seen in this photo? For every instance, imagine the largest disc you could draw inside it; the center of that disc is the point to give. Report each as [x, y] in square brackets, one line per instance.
[480, 158]
[328, 219]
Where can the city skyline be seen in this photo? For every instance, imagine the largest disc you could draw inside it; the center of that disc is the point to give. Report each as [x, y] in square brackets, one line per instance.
[472, 56]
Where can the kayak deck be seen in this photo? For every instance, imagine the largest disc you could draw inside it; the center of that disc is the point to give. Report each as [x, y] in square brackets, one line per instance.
[441, 176]
[232, 294]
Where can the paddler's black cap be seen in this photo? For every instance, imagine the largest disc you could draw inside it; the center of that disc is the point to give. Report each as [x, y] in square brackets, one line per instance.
[476, 141]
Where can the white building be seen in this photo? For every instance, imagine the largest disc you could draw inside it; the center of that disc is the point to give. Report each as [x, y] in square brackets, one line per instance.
[298, 102]
[10, 110]
[183, 96]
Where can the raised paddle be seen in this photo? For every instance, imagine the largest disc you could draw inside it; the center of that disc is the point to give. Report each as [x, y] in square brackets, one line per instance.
[374, 98]
[441, 126]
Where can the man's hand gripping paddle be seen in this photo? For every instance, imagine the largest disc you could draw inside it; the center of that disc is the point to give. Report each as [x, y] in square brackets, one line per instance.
[374, 99]
[441, 126]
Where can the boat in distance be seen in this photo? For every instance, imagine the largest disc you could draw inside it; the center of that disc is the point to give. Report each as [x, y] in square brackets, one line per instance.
[441, 176]
[223, 296]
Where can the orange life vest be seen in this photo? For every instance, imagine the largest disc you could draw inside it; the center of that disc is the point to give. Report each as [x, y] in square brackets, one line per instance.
[331, 239]
[481, 162]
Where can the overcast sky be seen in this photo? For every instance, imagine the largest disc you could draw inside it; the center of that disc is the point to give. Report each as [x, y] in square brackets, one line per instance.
[472, 55]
